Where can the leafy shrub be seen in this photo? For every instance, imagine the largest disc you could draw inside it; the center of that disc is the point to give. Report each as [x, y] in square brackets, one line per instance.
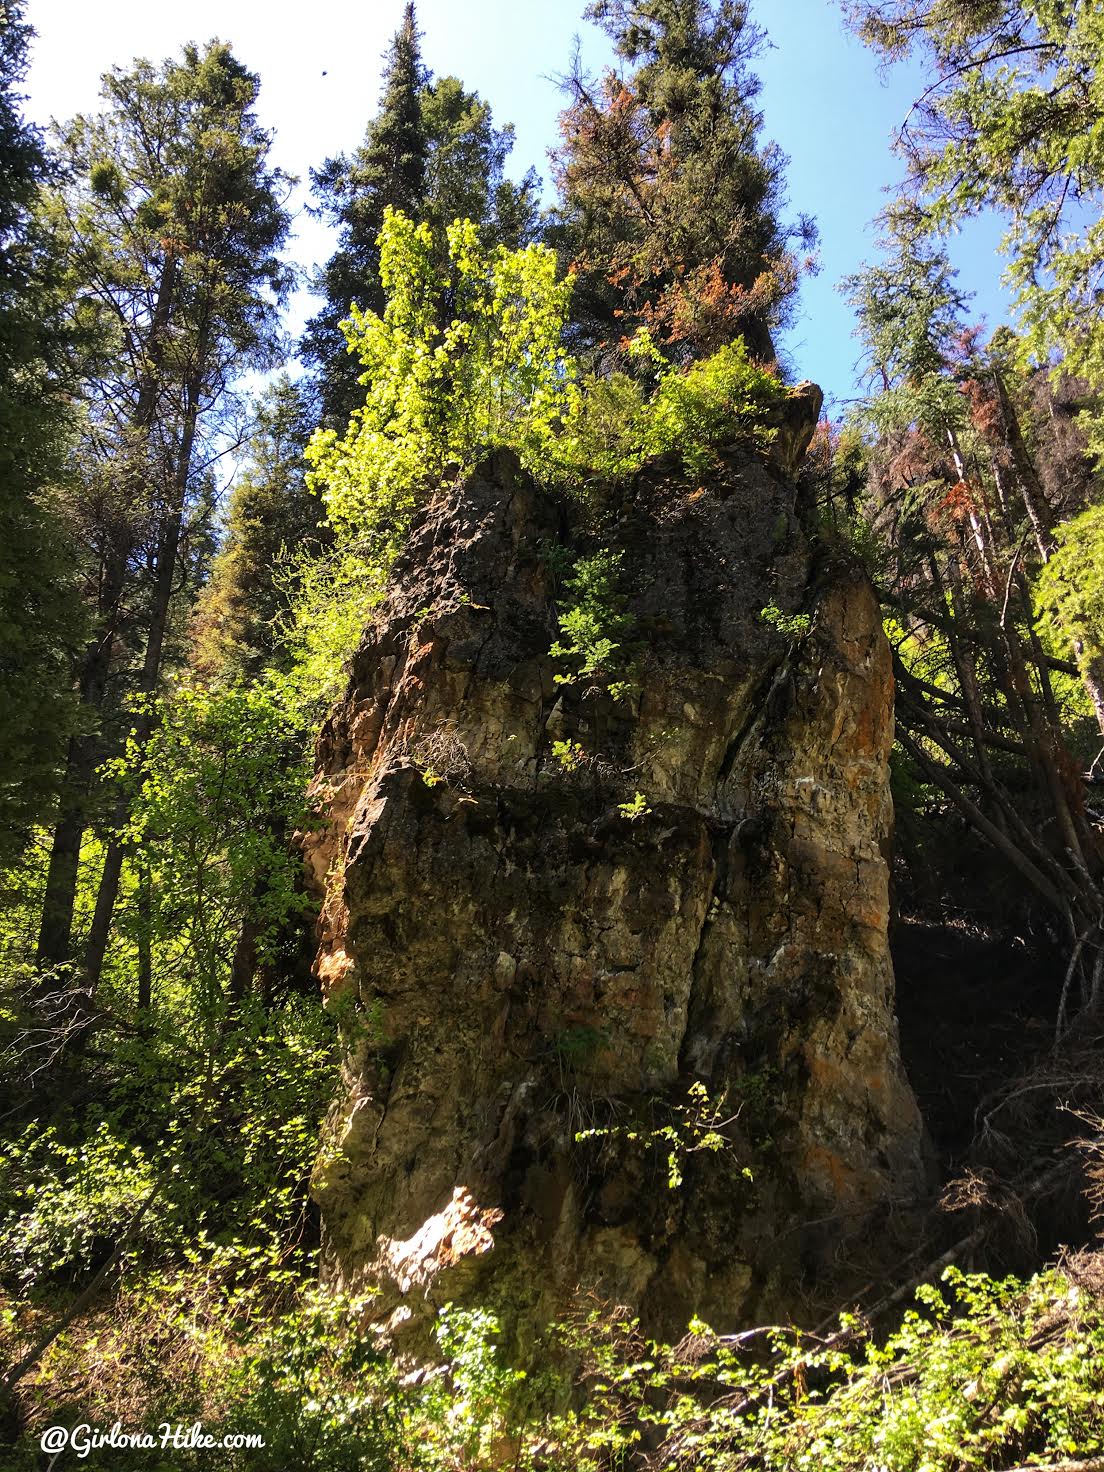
[330, 597]
[319, 1391]
[296, 1365]
[461, 360]
[602, 431]
[790, 625]
[689, 1127]
[592, 621]
[571, 755]
[636, 807]
[470, 358]
[722, 400]
[612, 426]
[66, 1206]
[470, 1413]
[989, 1373]
[213, 795]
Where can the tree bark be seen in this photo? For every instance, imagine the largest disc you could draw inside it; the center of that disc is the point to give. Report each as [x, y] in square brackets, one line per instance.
[167, 551]
[56, 929]
[55, 939]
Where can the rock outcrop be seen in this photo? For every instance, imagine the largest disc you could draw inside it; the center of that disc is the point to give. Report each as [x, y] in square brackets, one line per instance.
[543, 963]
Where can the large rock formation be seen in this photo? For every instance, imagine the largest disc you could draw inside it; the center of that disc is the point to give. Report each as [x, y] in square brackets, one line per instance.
[531, 964]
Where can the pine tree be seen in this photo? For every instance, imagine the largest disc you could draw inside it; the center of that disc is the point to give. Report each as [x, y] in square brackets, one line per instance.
[389, 168]
[670, 207]
[433, 153]
[273, 520]
[910, 310]
[1009, 120]
[176, 221]
[40, 619]
[956, 504]
[466, 168]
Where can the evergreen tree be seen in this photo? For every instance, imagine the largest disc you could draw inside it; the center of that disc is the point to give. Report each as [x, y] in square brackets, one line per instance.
[433, 153]
[1009, 119]
[273, 519]
[959, 511]
[39, 609]
[669, 205]
[389, 168]
[176, 220]
[910, 313]
[466, 168]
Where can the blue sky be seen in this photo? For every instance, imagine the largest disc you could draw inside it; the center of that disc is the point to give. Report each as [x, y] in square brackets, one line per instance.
[824, 99]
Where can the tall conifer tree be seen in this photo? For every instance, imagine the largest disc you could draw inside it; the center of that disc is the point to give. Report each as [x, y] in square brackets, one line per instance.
[432, 152]
[670, 206]
[39, 609]
[1009, 119]
[389, 168]
[177, 221]
[272, 519]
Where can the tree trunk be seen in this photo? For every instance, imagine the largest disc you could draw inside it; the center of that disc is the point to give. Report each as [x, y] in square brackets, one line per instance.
[168, 548]
[56, 929]
[55, 937]
[244, 967]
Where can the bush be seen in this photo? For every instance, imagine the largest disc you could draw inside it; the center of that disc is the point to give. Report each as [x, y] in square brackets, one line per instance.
[613, 427]
[472, 358]
[320, 1392]
[66, 1206]
[984, 1373]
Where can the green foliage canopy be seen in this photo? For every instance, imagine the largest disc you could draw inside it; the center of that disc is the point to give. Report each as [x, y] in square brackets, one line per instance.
[1012, 120]
[433, 153]
[473, 358]
[213, 798]
[442, 391]
[456, 364]
[1070, 586]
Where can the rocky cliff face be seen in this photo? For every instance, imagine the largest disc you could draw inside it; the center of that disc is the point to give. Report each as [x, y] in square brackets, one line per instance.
[530, 964]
